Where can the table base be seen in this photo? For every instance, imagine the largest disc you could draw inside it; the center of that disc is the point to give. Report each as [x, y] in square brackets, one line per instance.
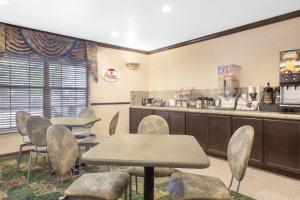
[149, 183]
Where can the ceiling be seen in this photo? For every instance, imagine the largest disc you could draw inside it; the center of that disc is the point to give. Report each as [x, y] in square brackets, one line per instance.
[140, 24]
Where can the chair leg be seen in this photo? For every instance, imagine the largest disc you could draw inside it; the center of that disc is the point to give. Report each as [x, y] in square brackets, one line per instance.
[36, 157]
[130, 187]
[79, 159]
[136, 184]
[20, 155]
[125, 194]
[29, 168]
[238, 187]
[231, 181]
[49, 164]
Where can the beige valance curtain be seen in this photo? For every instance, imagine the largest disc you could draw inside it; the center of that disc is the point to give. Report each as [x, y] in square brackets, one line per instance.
[91, 49]
[2, 39]
[24, 41]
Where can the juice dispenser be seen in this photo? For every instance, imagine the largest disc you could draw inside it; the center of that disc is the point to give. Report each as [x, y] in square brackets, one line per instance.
[290, 78]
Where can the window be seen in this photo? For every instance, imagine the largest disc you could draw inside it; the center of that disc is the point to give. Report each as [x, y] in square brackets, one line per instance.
[67, 83]
[48, 88]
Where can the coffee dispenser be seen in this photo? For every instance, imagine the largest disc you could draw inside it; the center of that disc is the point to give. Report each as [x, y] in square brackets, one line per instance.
[290, 78]
[228, 84]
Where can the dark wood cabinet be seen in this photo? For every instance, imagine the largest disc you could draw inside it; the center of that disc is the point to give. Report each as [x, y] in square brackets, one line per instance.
[196, 126]
[256, 157]
[177, 123]
[163, 114]
[282, 145]
[135, 117]
[218, 134]
[276, 145]
[146, 112]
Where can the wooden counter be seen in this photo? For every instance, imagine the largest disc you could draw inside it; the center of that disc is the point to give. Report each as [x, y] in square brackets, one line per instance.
[276, 144]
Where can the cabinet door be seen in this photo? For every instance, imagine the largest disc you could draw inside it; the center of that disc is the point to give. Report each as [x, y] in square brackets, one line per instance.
[256, 157]
[282, 145]
[196, 126]
[177, 123]
[218, 134]
[163, 114]
[135, 117]
[146, 112]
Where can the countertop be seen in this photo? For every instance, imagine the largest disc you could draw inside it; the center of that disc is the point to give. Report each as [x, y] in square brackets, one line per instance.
[258, 114]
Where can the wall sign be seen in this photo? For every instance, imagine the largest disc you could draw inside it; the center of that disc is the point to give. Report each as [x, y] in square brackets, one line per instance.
[111, 74]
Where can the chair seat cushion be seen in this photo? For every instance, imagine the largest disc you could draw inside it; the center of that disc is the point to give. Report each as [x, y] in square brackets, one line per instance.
[195, 187]
[91, 140]
[158, 171]
[109, 185]
[81, 134]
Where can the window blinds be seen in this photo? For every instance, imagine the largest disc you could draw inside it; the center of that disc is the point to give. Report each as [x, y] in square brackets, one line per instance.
[43, 87]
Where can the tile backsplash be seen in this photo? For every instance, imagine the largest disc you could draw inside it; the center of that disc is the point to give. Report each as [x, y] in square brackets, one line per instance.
[137, 96]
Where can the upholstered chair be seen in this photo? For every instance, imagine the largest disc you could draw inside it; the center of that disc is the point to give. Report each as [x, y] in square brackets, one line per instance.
[62, 149]
[152, 124]
[92, 141]
[197, 187]
[37, 130]
[63, 152]
[113, 124]
[89, 113]
[22, 120]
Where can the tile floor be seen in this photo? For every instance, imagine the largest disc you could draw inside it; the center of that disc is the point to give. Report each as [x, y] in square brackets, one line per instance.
[258, 184]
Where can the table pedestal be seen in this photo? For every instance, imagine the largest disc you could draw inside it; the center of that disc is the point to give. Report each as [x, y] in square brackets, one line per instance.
[149, 183]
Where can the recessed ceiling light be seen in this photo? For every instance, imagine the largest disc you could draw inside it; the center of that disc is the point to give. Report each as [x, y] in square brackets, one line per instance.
[166, 9]
[114, 34]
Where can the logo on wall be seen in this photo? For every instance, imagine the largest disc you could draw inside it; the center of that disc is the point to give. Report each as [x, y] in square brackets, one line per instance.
[111, 74]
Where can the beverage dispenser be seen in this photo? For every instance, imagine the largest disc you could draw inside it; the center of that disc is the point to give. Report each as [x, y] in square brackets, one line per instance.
[228, 83]
[289, 78]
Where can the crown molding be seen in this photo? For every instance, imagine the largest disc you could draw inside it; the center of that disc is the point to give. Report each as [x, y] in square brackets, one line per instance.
[101, 44]
[238, 29]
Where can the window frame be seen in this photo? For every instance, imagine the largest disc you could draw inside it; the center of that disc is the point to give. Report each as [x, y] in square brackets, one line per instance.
[46, 90]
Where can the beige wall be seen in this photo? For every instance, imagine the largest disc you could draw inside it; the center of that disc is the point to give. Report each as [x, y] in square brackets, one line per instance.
[256, 51]
[103, 91]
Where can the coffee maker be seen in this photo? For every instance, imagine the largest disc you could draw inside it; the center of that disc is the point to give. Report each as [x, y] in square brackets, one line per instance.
[290, 79]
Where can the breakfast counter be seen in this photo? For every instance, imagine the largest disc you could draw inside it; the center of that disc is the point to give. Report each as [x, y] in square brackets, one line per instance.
[276, 139]
[256, 114]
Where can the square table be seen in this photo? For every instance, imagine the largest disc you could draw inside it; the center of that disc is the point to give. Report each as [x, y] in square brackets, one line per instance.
[149, 151]
[72, 122]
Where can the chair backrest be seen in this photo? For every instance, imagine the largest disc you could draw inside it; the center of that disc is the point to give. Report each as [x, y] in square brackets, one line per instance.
[22, 118]
[153, 124]
[87, 112]
[62, 149]
[113, 124]
[37, 130]
[238, 151]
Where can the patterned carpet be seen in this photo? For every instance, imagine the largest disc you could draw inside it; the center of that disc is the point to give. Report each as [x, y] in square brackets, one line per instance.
[43, 187]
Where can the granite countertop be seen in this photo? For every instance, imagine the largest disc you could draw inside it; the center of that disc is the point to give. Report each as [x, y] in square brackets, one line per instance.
[259, 114]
